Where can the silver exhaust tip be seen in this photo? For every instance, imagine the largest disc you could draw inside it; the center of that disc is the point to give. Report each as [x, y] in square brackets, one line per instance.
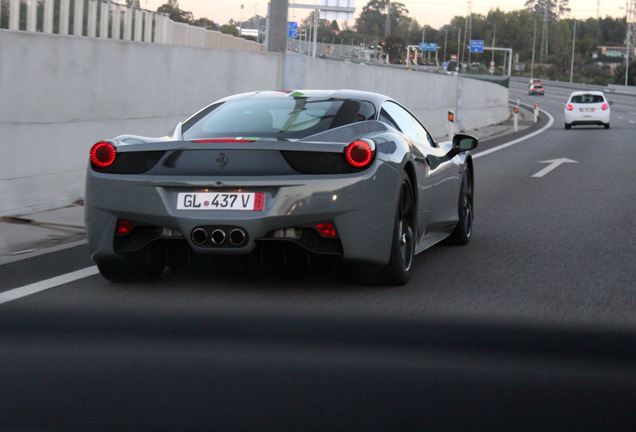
[199, 236]
[217, 236]
[237, 237]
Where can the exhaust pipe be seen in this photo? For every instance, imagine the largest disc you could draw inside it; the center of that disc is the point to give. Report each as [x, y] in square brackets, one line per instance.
[237, 237]
[199, 236]
[217, 236]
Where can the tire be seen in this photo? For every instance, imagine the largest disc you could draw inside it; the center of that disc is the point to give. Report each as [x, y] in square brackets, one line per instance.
[568, 126]
[607, 125]
[464, 230]
[133, 269]
[400, 267]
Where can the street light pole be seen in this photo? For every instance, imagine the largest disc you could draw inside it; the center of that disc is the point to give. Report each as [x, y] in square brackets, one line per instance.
[445, 40]
[492, 59]
[534, 38]
[459, 35]
[573, 45]
[629, 37]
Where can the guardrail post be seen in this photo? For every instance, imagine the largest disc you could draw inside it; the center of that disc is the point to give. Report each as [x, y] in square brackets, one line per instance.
[14, 15]
[91, 25]
[65, 12]
[32, 11]
[47, 25]
[78, 18]
[104, 19]
[116, 21]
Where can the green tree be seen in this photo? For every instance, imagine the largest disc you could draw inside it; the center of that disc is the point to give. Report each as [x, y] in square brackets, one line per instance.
[373, 19]
[325, 30]
[229, 29]
[619, 74]
[175, 13]
[395, 46]
[205, 23]
[555, 9]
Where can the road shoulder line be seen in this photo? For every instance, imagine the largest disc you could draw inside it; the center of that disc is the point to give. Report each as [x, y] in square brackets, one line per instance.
[37, 287]
[518, 140]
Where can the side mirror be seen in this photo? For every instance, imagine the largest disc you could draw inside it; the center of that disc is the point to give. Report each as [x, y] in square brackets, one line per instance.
[611, 103]
[462, 143]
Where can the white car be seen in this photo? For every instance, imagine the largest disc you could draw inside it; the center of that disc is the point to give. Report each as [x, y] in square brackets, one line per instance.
[587, 107]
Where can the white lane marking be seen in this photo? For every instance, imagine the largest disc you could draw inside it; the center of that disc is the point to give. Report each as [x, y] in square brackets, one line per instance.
[518, 140]
[36, 287]
[553, 164]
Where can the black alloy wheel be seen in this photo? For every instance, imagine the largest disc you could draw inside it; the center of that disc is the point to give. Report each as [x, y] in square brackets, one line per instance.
[400, 267]
[464, 229]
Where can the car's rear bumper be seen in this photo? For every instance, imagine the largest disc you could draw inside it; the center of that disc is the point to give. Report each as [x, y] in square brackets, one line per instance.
[361, 207]
[579, 118]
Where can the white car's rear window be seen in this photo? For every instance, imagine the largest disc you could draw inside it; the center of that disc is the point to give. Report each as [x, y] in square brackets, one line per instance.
[587, 99]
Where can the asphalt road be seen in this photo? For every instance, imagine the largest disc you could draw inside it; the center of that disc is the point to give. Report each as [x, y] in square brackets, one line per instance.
[538, 310]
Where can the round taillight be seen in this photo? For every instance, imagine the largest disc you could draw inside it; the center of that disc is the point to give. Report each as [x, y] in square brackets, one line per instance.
[605, 106]
[569, 107]
[359, 154]
[103, 154]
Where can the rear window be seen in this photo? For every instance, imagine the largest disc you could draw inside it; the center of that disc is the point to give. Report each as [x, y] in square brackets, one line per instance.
[587, 98]
[287, 117]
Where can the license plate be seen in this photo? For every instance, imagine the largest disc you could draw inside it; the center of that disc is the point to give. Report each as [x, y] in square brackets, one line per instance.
[220, 201]
[587, 109]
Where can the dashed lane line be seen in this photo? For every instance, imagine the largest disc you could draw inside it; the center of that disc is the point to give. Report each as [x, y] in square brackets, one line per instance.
[37, 287]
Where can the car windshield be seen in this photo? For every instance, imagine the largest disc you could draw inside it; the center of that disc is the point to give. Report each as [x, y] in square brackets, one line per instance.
[287, 117]
[587, 98]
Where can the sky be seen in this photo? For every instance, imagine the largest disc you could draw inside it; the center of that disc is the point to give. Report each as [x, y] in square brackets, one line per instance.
[434, 13]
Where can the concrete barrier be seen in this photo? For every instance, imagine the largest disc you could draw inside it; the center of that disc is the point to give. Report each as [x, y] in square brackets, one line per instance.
[60, 94]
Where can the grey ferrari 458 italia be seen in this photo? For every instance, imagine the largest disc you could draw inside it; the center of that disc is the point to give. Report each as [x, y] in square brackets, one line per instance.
[280, 175]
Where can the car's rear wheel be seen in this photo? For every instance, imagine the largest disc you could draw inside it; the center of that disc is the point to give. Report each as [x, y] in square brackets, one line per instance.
[144, 267]
[607, 125]
[568, 126]
[464, 229]
[400, 266]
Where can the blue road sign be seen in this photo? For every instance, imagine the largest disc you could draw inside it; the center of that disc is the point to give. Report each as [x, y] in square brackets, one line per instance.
[432, 47]
[292, 29]
[477, 46]
[423, 46]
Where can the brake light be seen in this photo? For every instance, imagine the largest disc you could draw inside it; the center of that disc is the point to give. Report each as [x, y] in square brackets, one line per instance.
[359, 154]
[605, 106]
[326, 229]
[124, 227]
[569, 107]
[102, 154]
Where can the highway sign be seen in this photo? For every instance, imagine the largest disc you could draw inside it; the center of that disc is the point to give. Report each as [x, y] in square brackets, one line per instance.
[432, 47]
[423, 46]
[477, 46]
[292, 29]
